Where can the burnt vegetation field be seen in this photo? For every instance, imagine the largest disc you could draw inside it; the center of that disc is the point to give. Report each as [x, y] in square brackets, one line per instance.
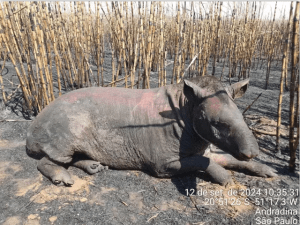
[48, 49]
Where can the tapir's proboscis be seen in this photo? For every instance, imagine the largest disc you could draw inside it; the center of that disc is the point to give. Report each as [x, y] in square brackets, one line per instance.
[164, 131]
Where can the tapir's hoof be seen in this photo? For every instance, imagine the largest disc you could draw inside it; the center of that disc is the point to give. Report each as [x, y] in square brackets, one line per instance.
[90, 166]
[95, 167]
[219, 175]
[226, 181]
[263, 170]
[56, 173]
[62, 179]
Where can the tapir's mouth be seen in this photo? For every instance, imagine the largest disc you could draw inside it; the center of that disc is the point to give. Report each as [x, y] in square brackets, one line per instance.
[244, 157]
[239, 155]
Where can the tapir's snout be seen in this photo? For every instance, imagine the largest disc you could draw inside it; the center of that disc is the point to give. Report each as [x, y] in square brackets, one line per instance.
[247, 155]
[246, 143]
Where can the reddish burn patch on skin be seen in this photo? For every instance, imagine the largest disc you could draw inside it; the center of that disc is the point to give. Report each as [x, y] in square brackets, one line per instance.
[151, 104]
[214, 105]
[118, 95]
[141, 101]
[219, 158]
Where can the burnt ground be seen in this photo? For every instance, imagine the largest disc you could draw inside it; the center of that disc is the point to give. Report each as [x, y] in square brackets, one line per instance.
[134, 197]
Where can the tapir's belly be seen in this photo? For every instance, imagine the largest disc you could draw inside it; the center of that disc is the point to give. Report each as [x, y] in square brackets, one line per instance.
[123, 143]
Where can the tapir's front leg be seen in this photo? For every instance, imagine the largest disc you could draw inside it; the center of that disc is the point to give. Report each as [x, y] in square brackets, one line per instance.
[194, 163]
[228, 161]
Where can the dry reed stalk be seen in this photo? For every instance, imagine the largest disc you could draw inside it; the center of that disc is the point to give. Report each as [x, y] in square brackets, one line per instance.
[132, 74]
[48, 55]
[47, 59]
[58, 46]
[253, 39]
[199, 41]
[147, 65]
[23, 85]
[86, 61]
[135, 43]
[231, 38]
[118, 43]
[80, 39]
[8, 43]
[44, 100]
[112, 42]
[122, 52]
[177, 35]
[297, 122]
[283, 74]
[295, 59]
[84, 47]
[57, 58]
[183, 45]
[154, 42]
[40, 53]
[288, 48]
[102, 55]
[141, 42]
[98, 54]
[130, 43]
[246, 61]
[164, 55]
[34, 80]
[12, 27]
[161, 59]
[1, 79]
[193, 35]
[76, 33]
[217, 40]
[18, 32]
[270, 50]
[207, 46]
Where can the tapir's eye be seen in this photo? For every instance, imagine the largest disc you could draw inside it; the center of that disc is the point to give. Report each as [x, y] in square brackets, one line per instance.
[223, 128]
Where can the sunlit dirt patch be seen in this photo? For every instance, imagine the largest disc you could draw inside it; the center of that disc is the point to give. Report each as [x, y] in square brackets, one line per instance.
[14, 220]
[136, 199]
[231, 200]
[26, 185]
[33, 219]
[5, 144]
[8, 169]
[52, 219]
[74, 193]
[171, 204]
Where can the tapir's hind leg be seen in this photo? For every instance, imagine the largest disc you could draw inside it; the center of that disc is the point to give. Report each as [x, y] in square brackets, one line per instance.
[89, 166]
[229, 162]
[56, 173]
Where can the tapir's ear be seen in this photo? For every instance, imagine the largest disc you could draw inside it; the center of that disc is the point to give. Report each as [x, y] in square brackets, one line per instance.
[191, 90]
[238, 89]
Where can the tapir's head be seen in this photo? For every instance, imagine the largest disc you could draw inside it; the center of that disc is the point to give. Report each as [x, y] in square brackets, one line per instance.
[217, 119]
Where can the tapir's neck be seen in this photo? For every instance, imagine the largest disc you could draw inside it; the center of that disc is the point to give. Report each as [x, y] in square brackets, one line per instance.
[181, 107]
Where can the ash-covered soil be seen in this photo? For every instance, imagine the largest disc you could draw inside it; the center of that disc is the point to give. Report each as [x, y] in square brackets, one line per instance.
[133, 197]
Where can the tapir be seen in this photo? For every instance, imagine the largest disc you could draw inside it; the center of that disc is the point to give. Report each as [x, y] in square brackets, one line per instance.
[165, 131]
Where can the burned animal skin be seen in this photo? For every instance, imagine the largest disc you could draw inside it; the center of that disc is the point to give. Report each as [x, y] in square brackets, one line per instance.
[164, 131]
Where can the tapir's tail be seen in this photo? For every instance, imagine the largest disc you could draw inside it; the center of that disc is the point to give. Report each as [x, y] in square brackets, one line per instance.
[33, 149]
